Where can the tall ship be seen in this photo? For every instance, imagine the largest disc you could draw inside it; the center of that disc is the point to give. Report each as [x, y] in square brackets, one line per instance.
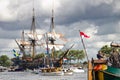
[49, 41]
[27, 46]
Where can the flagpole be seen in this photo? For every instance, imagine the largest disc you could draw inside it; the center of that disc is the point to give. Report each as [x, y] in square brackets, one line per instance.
[85, 54]
[84, 46]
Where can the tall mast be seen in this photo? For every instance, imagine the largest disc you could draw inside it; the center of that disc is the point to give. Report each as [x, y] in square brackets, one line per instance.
[23, 42]
[33, 28]
[52, 19]
[52, 35]
[23, 38]
[52, 30]
[33, 32]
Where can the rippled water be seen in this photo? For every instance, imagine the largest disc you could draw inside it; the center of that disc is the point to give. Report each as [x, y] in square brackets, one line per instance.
[32, 76]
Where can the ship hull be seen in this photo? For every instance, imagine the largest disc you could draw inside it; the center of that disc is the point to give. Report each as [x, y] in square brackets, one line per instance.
[110, 73]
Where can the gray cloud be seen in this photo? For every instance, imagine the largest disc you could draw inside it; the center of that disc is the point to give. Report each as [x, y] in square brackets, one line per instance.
[97, 18]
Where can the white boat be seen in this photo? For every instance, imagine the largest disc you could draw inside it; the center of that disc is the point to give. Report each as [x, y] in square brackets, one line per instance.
[2, 69]
[67, 72]
[77, 70]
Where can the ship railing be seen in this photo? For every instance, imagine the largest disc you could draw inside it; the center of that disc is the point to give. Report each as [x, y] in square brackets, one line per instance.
[110, 76]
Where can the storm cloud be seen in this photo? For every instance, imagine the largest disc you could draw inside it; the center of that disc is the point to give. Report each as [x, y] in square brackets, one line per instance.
[100, 19]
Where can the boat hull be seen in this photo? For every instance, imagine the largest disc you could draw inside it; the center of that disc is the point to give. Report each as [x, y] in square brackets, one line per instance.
[109, 74]
[112, 73]
[68, 73]
[100, 71]
[52, 73]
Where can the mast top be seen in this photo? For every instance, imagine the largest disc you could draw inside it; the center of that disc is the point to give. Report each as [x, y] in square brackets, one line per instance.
[33, 23]
[52, 30]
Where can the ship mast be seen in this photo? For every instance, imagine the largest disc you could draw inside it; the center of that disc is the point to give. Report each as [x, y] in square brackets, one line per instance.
[54, 37]
[52, 22]
[23, 46]
[33, 34]
[33, 37]
[52, 28]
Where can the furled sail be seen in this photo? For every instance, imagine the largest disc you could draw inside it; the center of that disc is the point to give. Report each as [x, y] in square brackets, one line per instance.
[34, 36]
[56, 46]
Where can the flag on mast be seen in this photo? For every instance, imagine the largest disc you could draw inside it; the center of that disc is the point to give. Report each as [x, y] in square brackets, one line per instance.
[84, 35]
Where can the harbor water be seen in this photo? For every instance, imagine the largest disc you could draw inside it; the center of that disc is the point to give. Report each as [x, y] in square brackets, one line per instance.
[32, 76]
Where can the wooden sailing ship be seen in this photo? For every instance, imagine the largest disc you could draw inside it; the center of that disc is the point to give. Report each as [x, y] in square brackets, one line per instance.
[29, 46]
[48, 40]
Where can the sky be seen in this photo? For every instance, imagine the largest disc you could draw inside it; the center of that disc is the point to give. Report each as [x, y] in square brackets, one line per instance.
[100, 19]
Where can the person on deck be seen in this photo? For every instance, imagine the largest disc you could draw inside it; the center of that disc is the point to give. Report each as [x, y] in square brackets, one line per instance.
[100, 55]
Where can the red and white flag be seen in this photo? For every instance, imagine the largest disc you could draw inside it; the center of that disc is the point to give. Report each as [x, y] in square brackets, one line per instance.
[64, 59]
[84, 35]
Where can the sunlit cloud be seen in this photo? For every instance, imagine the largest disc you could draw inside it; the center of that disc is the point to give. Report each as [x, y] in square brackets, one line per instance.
[5, 12]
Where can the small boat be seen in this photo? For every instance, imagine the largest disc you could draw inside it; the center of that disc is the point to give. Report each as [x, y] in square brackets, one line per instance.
[51, 72]
[2, 69]
[77, 70]
[68, 72]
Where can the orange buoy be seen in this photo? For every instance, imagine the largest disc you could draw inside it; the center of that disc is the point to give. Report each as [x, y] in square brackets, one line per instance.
[98, 67]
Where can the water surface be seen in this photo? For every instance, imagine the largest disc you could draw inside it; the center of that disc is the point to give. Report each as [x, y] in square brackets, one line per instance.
[32, 76]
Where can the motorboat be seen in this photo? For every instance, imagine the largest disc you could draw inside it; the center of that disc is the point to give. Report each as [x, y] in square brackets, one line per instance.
[77, 69]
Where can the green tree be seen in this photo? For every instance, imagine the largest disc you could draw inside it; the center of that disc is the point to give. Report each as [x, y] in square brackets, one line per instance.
[106, 49]
[80, 55]
[76, 55]
[5, 61]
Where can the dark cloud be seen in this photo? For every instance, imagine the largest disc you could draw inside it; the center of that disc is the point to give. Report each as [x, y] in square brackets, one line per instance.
[73, 12]
[99, 18]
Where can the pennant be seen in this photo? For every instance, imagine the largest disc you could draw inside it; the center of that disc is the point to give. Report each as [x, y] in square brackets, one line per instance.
[85, 35]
